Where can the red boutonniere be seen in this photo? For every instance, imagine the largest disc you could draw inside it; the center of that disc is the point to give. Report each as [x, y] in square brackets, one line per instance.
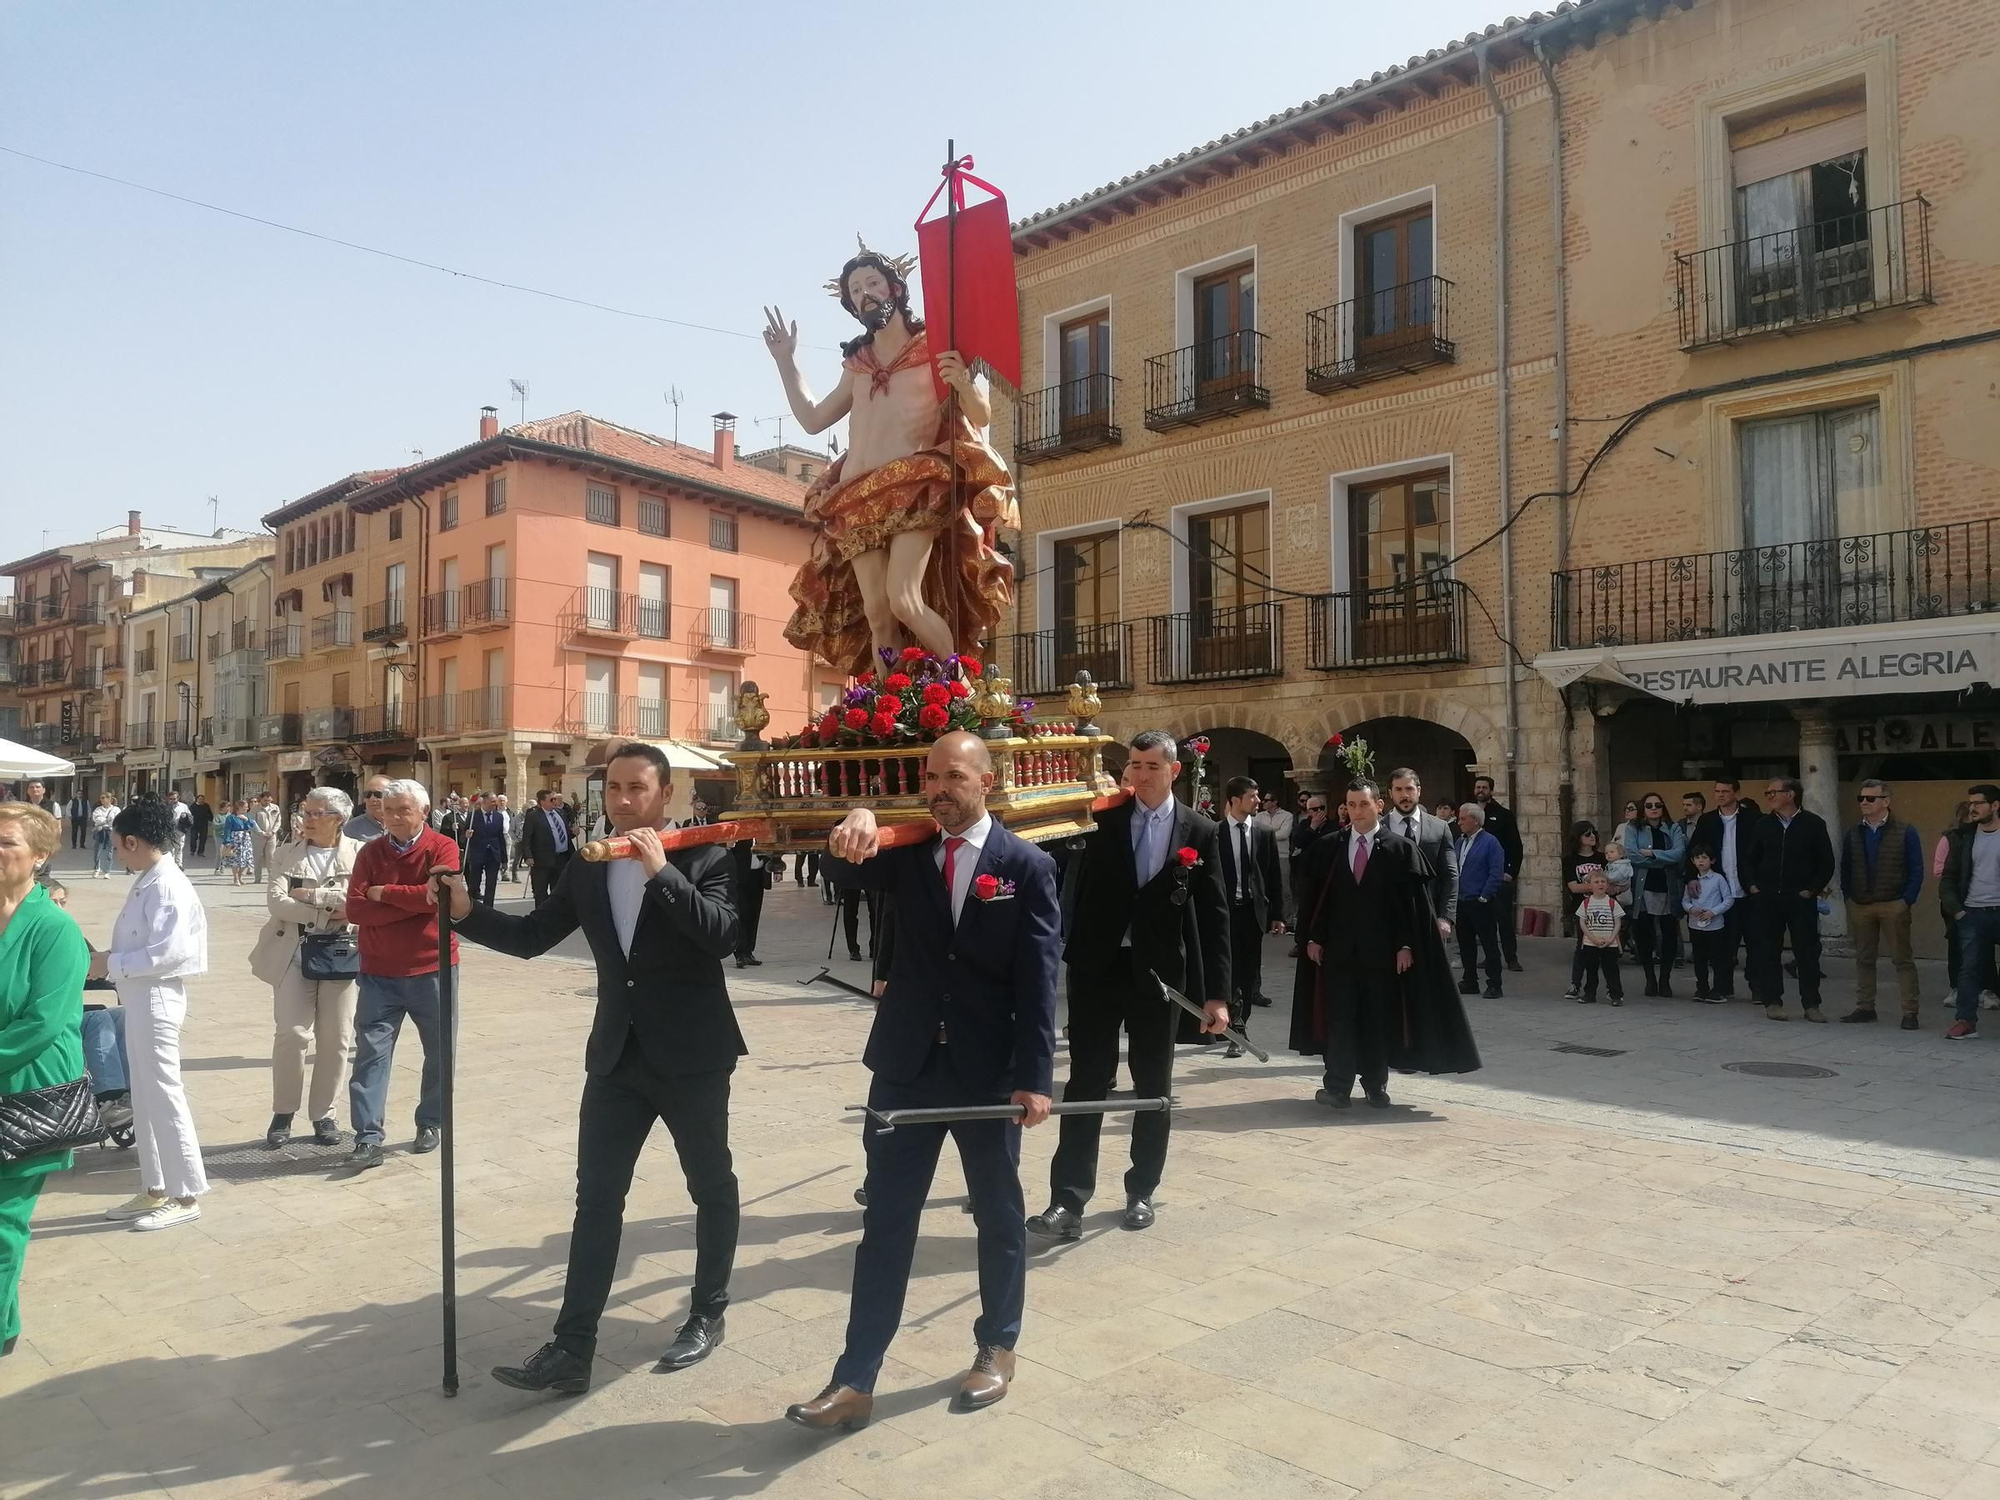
[1188, 858]
[992, 888]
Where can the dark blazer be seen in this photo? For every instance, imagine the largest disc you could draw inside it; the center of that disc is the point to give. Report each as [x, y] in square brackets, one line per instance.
[1436, 846]
[1782, 861]
[1361, 926]
[538, 840]
[1708, 833]
[1500, 822]
[1956, 882]
[989, 981]
[670, 994]
[742, 857]
[1179, 920]
[1264, 887]
[487, 829]
[452, 826]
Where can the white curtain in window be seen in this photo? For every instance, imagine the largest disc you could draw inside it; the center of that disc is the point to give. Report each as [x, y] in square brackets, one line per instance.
[1782, 497]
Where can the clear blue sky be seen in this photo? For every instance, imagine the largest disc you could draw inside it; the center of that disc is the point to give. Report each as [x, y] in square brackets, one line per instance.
[692, 161]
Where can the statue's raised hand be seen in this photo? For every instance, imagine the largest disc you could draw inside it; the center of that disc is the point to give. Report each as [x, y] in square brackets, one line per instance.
[780, 337]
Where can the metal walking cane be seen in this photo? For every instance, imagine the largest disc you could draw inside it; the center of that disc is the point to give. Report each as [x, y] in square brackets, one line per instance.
[886, 1120]
[447, 1046]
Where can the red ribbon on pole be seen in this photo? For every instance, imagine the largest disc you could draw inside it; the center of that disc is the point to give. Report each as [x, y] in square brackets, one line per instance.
[971, 302]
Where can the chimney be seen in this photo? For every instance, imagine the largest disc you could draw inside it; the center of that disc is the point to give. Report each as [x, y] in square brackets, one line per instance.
[725, 439]
[489, 422]
[133, 526]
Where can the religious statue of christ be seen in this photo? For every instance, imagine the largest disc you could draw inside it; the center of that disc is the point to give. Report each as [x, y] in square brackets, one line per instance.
[906, 519]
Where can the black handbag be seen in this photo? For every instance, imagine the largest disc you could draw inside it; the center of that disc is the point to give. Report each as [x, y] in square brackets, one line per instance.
[329, 955]
[38, 1122]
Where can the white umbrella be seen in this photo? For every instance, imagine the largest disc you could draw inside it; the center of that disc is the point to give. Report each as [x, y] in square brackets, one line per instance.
[17, 761]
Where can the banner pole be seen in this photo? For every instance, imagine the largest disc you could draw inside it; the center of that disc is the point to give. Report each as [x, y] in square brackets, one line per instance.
[955, 580]
[447, 1067]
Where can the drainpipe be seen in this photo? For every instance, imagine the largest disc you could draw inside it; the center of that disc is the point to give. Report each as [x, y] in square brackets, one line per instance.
[1559, 272]
[1506, 455]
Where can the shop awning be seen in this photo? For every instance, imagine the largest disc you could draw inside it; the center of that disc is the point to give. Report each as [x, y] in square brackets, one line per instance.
[680, 755]
[17, 761]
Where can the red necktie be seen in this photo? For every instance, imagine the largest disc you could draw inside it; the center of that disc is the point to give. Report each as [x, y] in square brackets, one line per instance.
[951, 847]
[1360, 857]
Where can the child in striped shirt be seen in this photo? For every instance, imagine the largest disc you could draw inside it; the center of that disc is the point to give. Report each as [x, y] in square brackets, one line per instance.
[1599, 920]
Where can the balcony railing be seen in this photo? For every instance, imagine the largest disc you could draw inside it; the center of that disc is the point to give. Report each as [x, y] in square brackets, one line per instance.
[213, 648]
[1387, 332]
[1073, 417]
[714, 724]
[43, 736]
[241, 636]
[333, 632]
[280, 730]
[482, 709]
[383, 621]
[1046, 661]
[1204, 645]
[440, 714]
[649, 718]
[599, 715]
[47, 674]
[1205, 381]
[444, 613]
[228, 731]
[1838, 267]
[177, 734]
[146, 659]
[1392, 627]
[323, 724]
[285, 643]
[142, 736]
[183, 648]
[99, 673]
[726, 630]
[612, 612]
[1930, 573]
[485, 604]
[379, 721]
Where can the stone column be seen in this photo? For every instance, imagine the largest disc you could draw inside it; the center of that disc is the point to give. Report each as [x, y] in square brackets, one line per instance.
[517, 774]
[1819, 770]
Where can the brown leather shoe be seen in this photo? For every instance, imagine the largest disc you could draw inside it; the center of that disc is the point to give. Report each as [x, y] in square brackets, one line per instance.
[836, 1406]
[987, 1381]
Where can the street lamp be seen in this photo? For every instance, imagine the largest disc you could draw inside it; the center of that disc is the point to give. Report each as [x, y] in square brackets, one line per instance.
[187, 697]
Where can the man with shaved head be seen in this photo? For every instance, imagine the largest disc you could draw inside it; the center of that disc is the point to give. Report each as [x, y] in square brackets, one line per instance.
[968, 1018]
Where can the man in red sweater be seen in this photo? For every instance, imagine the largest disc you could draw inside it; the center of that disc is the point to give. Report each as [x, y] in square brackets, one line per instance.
[389, 904]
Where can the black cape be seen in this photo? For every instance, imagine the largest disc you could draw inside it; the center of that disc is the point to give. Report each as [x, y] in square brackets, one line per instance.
[1435, 1036]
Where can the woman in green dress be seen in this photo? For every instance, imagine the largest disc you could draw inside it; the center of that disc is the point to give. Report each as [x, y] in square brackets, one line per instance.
[43, 959]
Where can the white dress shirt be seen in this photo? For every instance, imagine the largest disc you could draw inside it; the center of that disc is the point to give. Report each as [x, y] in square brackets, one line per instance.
[964, 861]
[626, 881]
[1726, 860]
[161, 932]
[1239, 843]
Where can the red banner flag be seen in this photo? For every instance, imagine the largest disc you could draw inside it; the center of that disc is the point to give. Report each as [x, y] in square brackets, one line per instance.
[970, 300]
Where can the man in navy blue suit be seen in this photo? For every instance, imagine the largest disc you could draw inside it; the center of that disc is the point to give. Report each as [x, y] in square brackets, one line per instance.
[968, 1018]
[485, 849]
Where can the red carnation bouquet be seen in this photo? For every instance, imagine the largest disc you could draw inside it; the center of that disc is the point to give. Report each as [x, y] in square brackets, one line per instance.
[911, 701]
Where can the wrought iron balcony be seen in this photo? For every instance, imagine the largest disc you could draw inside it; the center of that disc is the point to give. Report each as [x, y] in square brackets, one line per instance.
[177, 734]
[1930, 573]
[333, 632]
[43, 736]
[714, 724]
[482, 708]
[728, 631]
[1839, 267]
[649, 718]
[383, 621]
[322, 724]
[228, 731]
[1204, 381]
[280, 730]
[1046, 661]
[142, 736]
[285, 643]
[1392, 627]
[1205, 645]
[146, 660]
[612, 612]
[1073, 417]
[485, 604]
[1388, 332]
[241, 636]
[444, 613]
[380, 721]
[598, 716]
[183, 648]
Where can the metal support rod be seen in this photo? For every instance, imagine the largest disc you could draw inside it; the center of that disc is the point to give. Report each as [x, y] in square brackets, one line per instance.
[887, 1120]
[447, 1039]
[1230, 1033]
[956, 581]
[827, 976]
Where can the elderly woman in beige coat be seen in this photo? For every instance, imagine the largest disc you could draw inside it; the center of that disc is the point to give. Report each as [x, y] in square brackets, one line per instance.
[308, 899]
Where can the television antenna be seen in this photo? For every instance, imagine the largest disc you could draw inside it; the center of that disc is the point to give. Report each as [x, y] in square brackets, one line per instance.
[674, 399]
[521, 395]
[214, 509]
[780, 420]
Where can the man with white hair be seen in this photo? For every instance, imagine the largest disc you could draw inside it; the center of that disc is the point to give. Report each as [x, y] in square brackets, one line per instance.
[388, 901]
[1482, 869]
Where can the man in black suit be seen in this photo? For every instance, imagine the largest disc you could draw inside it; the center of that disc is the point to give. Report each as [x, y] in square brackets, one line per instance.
[1384, 980]
[662, 1047]
[968, 1017]
[1501, 823]
[1249, 860]
[549, 842]
[485, 848]
[1434, 839]
[1726, 830]
[1788, 865]
[753, 878]
[1136, 907]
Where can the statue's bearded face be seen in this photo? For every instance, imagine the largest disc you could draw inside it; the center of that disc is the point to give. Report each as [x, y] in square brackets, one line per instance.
[872, 297]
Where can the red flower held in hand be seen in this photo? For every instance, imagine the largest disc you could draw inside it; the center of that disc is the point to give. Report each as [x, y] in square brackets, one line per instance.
[895, 682]
[855, 718]
[1335, 742]
[888, 705]
[1188, 858]
[986, 887]
[936, 692]
[882, 724]
[932, 716]
[960, 690]
[913, 653]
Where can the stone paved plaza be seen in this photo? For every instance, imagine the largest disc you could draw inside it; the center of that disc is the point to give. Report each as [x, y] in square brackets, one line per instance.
[1647, 1276]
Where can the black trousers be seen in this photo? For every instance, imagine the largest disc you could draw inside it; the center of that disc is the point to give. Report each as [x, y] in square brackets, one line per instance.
[198, 842]
[1358, 1022]
[1772, 920]
[1478, 928]
[1099, 1005]
[542, 878]
[618, 1112]
[1503, 921]
[1722, 953]
[79, 834]
[805, 868]
[1246, 962]
[749, 912]
[850, 917]
[1600, 963]
[1714, 959]
[1656, 942]
[482, 872]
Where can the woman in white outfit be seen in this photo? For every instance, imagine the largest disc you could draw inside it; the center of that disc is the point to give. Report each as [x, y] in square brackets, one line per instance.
[307, 896]
[158, 943]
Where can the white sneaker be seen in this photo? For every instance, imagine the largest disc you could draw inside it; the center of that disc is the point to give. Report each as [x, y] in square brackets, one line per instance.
[1988, 1000]
[168, 1216]
[137, 1208]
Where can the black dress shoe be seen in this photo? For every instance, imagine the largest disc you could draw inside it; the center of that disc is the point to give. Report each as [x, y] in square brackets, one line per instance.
[549, 1368]
[1056, 1223]
[1337, 1101]
[1378, 1098]
[1234, 1051]
[1514, 966]
[854, 955]
[1859, 1013]
[753, 960]
[700, 1336]
[426, 1142]
[1138, 1214]
[742, 963]
[325, 1132]
[1468, 986]
[1491, 992]
[280, 1131]
[1260, 999]
[365, 1154]
[1908, 1023]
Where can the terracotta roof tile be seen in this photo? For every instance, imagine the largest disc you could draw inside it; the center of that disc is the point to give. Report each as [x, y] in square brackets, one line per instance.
[576, 429]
